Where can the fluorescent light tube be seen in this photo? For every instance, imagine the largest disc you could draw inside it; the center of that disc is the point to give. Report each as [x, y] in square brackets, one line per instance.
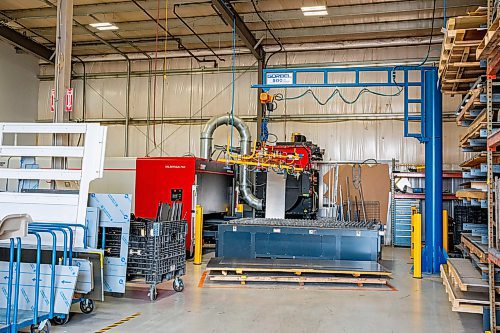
[313, 8]
[100, 24]
[316, 13]
[111, 27]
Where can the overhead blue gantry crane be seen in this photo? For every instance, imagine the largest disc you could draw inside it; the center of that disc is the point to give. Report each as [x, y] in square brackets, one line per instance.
[428, 99]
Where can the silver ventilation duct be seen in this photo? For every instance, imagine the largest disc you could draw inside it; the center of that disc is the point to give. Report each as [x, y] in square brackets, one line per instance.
[206, 144]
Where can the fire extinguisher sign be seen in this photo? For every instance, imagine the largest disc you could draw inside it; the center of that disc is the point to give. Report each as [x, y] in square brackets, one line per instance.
[69, 100]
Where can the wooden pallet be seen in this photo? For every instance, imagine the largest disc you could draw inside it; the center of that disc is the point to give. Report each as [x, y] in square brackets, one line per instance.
[490, 41]
[297, 267]
[470, 193]
[477, 159]
[474, 130]
[474, 246]
[300, 279]
[480, 185]
[464, 276]
[458, 66]
[468, 302]
[472, 103]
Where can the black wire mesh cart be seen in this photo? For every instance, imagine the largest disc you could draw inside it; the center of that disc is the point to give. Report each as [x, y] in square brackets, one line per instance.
[157, 253]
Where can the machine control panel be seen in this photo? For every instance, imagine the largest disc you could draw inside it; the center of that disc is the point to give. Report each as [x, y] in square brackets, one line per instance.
[176, 195]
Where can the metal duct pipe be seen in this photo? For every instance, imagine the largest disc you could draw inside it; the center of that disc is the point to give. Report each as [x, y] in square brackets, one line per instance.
[206, 144]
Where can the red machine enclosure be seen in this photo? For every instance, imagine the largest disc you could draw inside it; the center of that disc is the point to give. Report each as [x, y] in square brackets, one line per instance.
[168, 179]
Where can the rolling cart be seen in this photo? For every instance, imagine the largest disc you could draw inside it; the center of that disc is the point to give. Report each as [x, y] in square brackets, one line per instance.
[66, 229]
[157, 250]
[35, 292]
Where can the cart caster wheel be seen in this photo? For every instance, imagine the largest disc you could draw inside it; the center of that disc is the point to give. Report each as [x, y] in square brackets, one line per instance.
[37, 329]
[153, 293]
[60, 320]
[87, 306]
[178, 285]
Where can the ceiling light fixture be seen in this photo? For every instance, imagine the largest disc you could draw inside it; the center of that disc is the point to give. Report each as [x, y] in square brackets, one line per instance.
[100, 24]
[312, 8]
[109, 27]
[104, 26]
[314, 11]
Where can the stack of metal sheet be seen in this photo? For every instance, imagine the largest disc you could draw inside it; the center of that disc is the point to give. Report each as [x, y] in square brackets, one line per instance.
[299, 223]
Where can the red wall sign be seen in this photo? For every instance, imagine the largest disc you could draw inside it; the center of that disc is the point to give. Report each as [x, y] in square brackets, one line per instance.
[69, 100]
[52, 100]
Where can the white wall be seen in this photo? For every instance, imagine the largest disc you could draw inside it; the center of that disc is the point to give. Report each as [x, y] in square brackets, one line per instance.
[18, 85]
[202, 93]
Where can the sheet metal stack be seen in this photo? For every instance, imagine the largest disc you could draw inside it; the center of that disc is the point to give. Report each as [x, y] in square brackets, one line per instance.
[321, 251]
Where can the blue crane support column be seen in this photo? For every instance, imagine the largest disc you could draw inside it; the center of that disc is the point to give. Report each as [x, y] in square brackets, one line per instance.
[433, 255]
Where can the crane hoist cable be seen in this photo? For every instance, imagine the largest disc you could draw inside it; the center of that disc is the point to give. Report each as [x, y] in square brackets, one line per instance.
[279, 97]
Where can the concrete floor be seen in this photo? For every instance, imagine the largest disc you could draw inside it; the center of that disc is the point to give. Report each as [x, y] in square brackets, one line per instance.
[416, 306]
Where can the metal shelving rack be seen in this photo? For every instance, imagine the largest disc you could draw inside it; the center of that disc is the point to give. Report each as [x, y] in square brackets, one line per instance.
[493, 141]
[400, 227]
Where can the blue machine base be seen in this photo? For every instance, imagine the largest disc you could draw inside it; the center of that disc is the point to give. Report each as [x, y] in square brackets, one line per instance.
[279, 242]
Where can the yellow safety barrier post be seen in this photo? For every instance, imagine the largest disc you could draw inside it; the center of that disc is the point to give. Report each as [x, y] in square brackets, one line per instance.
[413, 212]
[417, 245]
[445, 230]
[198, 236]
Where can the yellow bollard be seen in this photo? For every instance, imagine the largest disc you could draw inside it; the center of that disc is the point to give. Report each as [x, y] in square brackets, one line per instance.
[198, 236]
[445, 230]
[417, 245]
[413, 212]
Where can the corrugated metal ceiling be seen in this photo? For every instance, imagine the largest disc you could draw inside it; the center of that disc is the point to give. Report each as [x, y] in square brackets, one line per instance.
[347, 20]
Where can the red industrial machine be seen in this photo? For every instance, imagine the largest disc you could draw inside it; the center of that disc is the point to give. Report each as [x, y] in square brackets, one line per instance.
[301, 190]
[189, 180]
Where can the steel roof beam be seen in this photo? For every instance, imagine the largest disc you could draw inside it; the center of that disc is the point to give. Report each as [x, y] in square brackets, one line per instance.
[351, 30]
[230, 17]
[249, 15]
[25, 43]
[95, 9]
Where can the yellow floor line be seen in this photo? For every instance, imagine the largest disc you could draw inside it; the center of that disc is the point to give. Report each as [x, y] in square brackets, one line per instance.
[118, 323]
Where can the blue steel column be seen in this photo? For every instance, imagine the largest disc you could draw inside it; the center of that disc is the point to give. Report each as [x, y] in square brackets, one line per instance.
[433, 251]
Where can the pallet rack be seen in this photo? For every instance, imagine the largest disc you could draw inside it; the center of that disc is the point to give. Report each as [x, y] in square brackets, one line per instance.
[468, 66]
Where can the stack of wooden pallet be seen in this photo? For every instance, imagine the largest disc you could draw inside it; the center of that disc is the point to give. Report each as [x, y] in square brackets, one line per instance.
[458, 66]
[466, 285]
[489, 48]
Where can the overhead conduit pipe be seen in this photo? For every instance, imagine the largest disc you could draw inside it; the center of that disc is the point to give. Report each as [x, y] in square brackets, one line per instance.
[206, 145]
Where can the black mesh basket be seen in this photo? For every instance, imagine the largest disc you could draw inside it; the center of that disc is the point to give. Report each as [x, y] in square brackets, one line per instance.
[157, 250]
